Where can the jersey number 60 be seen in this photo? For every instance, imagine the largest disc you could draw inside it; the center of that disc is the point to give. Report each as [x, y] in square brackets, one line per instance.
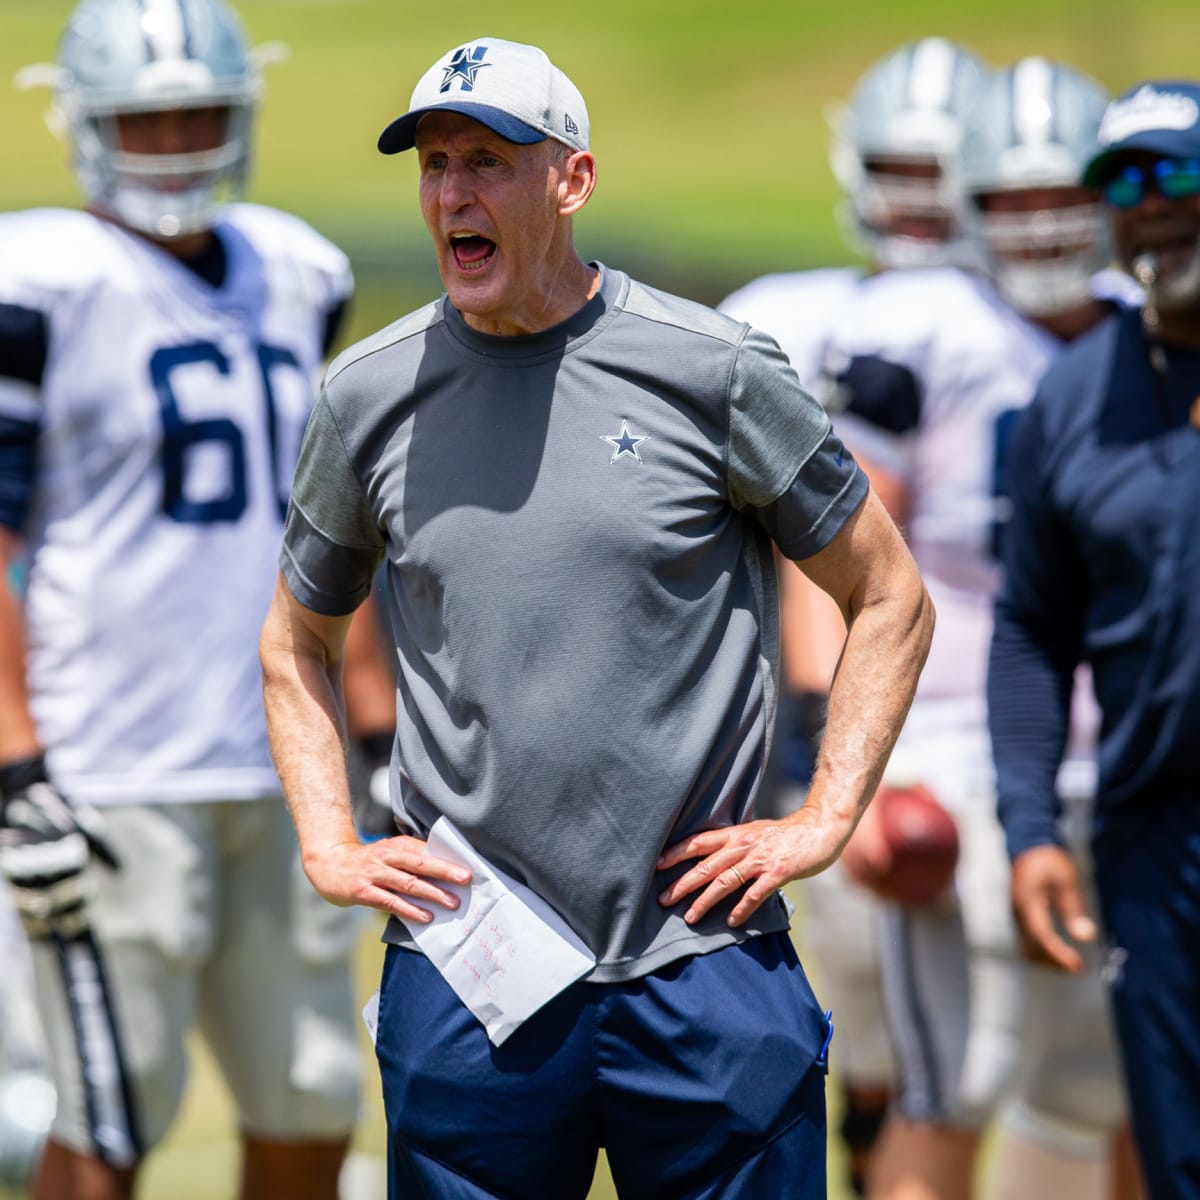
[180, 434]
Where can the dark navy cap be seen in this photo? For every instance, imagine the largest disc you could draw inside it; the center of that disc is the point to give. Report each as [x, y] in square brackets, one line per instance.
[1161, 116]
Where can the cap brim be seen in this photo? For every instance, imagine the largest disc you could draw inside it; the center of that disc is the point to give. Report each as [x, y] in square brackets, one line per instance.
[401, 133]
[1156, 141]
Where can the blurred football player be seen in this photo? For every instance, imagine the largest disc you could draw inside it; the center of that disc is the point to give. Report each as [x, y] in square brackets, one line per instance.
[26, 1093]
[928, 376]
[895, 154]
[158, 356]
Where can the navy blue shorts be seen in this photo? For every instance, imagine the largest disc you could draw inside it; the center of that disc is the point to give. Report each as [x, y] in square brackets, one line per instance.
[702, 1080]
[1149, 884]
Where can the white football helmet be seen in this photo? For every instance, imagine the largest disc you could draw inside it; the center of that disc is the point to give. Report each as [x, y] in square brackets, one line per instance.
[906, 112]
[1035, 128]
[136, 56]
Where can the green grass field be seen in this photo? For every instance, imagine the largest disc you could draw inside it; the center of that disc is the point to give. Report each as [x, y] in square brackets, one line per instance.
[708, 121]
[708, 117]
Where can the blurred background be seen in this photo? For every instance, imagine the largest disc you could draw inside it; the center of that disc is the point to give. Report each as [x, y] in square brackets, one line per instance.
[709, 117]
[710, 126]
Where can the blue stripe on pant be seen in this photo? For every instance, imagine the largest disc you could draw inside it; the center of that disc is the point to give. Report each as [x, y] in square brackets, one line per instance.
[700, 1080]
[1148, 875]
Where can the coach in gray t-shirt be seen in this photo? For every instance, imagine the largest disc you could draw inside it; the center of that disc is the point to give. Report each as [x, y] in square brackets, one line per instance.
[576, 484]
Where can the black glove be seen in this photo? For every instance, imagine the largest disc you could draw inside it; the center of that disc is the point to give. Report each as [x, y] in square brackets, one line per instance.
[45, 847]
[372, 804]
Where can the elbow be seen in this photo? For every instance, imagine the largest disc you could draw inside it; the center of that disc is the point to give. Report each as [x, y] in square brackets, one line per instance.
[268, 646]
[917, 623]
[925, 622]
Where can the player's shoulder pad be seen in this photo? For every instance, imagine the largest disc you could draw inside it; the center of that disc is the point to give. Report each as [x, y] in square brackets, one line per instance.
[916, 312]
[930, 291]
[770, 298]
[48, 253]
[1117, 287]
[276, 234]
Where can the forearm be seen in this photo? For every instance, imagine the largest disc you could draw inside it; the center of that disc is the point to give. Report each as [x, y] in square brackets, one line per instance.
[886, 646]
[889, 619]
[306, 726]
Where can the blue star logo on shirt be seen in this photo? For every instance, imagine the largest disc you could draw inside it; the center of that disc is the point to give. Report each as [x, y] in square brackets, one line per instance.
[625, 444]
[464, 66]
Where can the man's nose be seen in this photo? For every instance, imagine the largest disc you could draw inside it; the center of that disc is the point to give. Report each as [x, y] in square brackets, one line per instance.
[457, 189]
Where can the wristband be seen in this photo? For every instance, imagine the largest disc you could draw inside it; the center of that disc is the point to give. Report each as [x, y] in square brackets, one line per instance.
[19, 774]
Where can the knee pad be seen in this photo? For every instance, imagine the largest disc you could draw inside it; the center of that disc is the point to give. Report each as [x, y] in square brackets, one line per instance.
[26, 1110]
[1056, 1135]
[1086, 1097]
[1071, 1073]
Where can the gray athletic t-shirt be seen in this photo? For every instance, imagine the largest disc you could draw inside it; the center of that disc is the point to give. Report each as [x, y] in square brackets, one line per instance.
[577, 528]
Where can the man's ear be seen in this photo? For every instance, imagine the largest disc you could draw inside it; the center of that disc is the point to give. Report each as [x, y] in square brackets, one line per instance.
[577, 182]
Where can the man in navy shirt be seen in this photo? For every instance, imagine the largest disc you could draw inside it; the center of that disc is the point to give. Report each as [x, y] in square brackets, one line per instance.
[1103, 566]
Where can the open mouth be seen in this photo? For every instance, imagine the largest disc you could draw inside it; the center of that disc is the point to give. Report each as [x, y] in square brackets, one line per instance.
[471, 251]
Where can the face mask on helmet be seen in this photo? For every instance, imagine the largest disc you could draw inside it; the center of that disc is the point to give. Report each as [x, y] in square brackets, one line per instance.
[166, 194]
[1043, 245]
[122, 59]
[1043, 236]
[895, 154]
[908, 212]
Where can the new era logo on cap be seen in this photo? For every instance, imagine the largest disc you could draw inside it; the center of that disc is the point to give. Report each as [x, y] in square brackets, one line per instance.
[512, 88]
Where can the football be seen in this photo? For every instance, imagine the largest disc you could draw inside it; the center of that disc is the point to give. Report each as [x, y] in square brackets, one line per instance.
[922, 840]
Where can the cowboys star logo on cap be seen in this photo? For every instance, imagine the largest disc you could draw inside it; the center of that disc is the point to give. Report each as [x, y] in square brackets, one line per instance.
[521, 95]
[464, 66]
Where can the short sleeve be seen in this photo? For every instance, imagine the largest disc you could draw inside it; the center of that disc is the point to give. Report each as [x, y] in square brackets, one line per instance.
[786, 465]
[24, 347]
[331, 544]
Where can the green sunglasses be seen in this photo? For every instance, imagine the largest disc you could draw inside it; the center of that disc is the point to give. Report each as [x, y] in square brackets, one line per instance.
[1173, 179]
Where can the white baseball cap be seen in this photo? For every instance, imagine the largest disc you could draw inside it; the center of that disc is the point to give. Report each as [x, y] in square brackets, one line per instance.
[513, 89]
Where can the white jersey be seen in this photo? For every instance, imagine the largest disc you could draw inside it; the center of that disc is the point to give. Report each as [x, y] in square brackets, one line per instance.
[799, 309]
[166, 417]
[968, 365]
[960, 365]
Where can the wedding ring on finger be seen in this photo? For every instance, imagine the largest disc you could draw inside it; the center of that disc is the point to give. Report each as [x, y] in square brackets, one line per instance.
[740, 877]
